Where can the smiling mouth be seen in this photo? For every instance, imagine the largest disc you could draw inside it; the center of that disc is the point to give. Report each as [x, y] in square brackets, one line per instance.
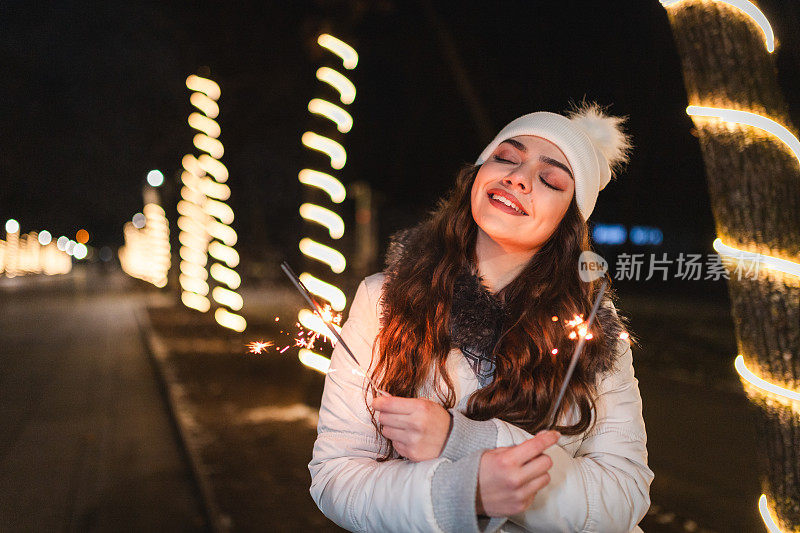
[505, 205]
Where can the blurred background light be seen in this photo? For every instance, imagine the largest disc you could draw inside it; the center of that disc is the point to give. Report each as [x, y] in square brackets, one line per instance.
[138, 220]
[155, 178]
[644, 235]
[45, 238]
[609, 234]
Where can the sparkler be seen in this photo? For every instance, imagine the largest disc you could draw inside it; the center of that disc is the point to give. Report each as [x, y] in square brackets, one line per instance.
[300, 287]
[257, 346]
[576, 353]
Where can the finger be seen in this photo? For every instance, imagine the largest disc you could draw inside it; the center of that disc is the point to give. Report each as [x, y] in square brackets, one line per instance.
[395, 404]
[392, 420]
[535, 468]
[393, 434]
[535, 485]
[522, 453]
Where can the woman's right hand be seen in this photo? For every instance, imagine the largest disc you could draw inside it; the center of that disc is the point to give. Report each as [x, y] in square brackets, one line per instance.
[509, 477]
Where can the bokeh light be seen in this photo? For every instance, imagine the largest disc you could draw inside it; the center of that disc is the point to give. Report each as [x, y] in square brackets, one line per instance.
[80, 251]
[138, 220]
[45, 238]
[155, 178]
[12, 226]
[82, 236]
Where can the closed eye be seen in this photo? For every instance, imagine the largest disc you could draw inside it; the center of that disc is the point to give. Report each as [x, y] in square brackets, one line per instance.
[548, 185]
[500, 159]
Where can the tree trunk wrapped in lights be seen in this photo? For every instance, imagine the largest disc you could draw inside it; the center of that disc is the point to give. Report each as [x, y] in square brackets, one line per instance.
[754, 185]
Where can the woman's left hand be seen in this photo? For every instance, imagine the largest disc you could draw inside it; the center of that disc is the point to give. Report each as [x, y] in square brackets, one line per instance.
[417, 427]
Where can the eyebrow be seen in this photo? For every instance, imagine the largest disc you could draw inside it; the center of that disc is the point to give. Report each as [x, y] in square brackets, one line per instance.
[543, 158]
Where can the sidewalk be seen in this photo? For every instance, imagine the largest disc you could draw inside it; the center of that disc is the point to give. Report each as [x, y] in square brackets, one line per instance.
[248, 421]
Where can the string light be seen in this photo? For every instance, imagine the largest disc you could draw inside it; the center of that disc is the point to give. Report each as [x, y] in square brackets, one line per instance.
[749, 9]
[311, 359]
[340, 48]
[206, 218]
[327, 146]
[778, 264]
[773, 390]
[334, 113]
[766, 515]
[324, 217]
[749, 119]
[221, 252]
[345, 88]
[310, 320]
[773, 263]
[323, 181]
[204, 124]
[318, 214]
[146, 253]
[35, 253]
[203, 85]
[325, 254]
[205, 104]
[325, 291]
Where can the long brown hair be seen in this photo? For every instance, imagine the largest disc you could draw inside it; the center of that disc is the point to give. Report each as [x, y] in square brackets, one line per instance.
[416, 299]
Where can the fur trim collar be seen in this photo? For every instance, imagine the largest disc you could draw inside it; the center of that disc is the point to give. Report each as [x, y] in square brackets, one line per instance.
[477, 316]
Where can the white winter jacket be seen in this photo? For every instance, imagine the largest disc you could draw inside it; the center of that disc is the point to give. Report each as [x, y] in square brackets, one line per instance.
[599, 482]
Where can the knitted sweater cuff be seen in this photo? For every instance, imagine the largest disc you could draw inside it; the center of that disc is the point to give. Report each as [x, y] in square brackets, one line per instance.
[454, 490]
[467, 436]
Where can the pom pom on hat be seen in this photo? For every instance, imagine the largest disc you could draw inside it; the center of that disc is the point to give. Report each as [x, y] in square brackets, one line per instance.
[606, 134]
[594, 143]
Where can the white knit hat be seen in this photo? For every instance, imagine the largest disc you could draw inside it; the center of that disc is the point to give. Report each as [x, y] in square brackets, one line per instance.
[594, 143]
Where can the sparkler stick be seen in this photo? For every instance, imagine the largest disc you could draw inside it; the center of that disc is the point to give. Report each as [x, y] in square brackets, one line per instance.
[575, 355]
[307, 295]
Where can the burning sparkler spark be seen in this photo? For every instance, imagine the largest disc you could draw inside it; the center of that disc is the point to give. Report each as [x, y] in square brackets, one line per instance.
[258, 346]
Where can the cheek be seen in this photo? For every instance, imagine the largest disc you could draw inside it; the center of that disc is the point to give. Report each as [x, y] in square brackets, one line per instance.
[475, 194]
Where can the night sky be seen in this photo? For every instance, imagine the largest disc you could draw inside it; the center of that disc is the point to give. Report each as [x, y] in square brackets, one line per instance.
[94, 97]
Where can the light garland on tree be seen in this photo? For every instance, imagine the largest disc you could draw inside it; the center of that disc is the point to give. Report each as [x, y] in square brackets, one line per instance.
[205, 217]
[318, 214]
[701, 114]
[747, 8]
[750, 119]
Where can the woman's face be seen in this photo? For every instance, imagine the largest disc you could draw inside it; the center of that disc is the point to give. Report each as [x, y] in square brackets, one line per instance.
[532, 174]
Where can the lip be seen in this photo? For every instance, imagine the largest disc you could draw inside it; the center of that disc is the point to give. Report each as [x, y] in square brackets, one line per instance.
[508, 196]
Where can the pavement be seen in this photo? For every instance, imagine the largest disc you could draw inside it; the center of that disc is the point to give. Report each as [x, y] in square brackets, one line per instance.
[218, 438]
[87, 442]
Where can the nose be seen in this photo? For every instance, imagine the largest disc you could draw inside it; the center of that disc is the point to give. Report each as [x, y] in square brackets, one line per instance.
[517, 180]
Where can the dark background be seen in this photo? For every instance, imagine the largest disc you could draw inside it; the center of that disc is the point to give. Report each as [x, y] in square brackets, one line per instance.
[94, 96]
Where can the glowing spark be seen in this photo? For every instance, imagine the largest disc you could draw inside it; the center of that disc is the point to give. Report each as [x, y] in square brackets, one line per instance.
[258, 346]
[286, 348]
[555, 351]
[555, 318]
[623, 335]
[276, 319]
[589, 336]
[572, 334]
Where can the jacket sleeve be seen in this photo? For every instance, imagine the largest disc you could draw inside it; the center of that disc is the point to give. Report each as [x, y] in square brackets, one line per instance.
[605, 487]
[347, 483]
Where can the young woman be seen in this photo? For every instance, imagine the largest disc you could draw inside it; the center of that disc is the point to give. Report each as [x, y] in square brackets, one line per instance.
[467, 330]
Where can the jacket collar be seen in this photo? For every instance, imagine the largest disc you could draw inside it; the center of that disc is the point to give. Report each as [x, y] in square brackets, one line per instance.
[477, 316]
